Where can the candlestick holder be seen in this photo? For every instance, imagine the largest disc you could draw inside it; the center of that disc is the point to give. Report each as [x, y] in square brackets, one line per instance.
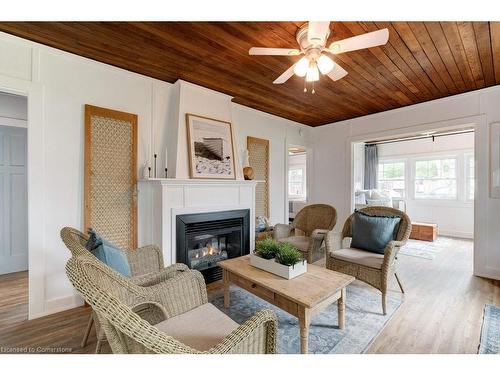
[155, 165]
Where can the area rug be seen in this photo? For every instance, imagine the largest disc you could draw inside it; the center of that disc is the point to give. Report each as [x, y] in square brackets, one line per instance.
[490, 331]
[425, 249]
[364, 320]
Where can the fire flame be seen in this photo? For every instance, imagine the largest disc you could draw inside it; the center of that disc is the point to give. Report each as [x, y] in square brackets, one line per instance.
[209, 250]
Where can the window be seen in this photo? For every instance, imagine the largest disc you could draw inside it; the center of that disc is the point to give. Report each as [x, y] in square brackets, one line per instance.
[469, 176]
[297, 183]
[391, 176]
[436, 179]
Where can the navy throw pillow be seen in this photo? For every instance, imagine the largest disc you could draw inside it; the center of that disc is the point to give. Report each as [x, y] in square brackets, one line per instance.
[372, 232]
[108, 253]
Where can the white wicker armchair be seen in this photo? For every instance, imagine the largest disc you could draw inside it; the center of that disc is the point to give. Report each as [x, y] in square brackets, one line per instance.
[371, 268]
[146, 266]
[173, 316]
[314, 221]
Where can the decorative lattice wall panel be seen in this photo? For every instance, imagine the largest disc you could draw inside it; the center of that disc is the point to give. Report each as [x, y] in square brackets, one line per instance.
[258, 153]
[110, 175]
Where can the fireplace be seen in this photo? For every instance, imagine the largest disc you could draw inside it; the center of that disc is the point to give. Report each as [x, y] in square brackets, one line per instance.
[204, 239]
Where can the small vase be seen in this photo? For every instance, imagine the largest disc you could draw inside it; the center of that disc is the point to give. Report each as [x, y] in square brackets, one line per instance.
[248, 173]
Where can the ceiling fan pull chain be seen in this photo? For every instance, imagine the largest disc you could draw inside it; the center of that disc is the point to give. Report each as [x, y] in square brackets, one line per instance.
[305, 86]
[313, 91]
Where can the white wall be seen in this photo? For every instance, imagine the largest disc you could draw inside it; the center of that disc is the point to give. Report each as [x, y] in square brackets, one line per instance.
[58, 85]
[65, 83]
[453, 217]
[201, 101]
[333, 156]
[445, 144]
[190, 98]
[280, 133]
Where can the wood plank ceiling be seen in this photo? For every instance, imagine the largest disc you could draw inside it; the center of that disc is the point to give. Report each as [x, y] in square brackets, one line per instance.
[422, 61]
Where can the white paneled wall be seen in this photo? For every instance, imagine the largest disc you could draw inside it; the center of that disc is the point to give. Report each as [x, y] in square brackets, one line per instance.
[58, 85]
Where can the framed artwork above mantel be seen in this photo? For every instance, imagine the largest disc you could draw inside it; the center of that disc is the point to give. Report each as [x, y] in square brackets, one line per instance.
[211, 148]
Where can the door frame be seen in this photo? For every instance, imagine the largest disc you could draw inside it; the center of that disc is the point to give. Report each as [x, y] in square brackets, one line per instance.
[309, 171]
[35, 183]
[19, 128]
[481, 175]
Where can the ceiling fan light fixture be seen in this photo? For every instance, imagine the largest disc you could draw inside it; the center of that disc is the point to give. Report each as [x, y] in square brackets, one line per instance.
[317, 59]
[312, 73]
[301, 67]
[325, 64]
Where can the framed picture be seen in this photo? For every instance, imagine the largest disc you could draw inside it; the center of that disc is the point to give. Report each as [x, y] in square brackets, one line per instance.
[495, 160]
[211, 150]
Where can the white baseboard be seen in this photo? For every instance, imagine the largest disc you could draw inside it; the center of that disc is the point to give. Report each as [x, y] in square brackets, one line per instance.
[488, 272]
[56, 305]
[451, 233]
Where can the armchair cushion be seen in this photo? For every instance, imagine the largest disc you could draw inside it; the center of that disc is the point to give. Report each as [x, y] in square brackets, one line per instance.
[358, 256]
[373, 233]
[302, 243]
[201, 328]
[108, 253]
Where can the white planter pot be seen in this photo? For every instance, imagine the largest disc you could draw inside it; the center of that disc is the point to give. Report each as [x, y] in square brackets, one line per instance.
[270, 265]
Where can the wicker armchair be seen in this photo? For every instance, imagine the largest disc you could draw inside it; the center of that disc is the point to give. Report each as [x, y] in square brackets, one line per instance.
[372, 268]
[146, 266]
[315, 221]
[140, 319]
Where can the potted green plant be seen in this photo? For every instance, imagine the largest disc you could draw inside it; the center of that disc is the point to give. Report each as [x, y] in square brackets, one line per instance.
[282, 259]
[266, 248]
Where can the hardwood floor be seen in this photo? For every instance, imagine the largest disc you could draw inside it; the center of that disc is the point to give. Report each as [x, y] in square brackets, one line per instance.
[443, 307]
[57, 333]
[442, 312]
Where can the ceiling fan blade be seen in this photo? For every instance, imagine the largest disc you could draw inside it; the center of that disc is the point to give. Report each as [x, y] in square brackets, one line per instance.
[317, 31]
[273, 51]
[375, 38]
[337, 73]
[285, 76]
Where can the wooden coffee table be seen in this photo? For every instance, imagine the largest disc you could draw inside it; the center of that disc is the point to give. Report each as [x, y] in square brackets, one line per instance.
[303, 297]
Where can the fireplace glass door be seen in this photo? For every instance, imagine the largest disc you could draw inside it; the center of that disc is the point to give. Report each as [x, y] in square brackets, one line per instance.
[204, 250]
[205, 239]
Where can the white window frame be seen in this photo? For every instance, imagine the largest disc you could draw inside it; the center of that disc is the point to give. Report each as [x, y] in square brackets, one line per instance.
[457, 178]
[405, 177]
[304, 183]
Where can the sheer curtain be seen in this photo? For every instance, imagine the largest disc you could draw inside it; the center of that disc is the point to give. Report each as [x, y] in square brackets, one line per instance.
[371, 166]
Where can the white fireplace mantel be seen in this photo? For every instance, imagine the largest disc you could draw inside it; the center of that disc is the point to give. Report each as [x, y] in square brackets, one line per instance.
[162, 199]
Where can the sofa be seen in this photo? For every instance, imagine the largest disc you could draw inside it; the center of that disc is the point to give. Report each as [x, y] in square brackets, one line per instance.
[379, 197]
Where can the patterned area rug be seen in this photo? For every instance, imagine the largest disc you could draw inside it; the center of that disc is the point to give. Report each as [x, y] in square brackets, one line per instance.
[425, 249]
[364, 320]
[490, 331]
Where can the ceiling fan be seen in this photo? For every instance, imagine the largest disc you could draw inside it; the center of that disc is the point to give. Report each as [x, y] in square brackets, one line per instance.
[312, 38]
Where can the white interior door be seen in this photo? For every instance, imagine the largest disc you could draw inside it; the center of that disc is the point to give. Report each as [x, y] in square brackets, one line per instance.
[13, 200]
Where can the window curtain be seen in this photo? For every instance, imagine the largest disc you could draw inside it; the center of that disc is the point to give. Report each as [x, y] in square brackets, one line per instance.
[371, 166]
